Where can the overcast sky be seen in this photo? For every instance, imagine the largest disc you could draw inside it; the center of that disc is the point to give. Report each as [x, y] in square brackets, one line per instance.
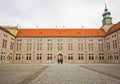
[52, 13]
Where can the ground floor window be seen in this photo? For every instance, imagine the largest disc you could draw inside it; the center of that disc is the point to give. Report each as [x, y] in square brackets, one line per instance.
[91, 57]
[28, 57]
[116, 57]
[9, 57]
[70, 56]
[101, 56]
[2, 58]
[39, 56]
[49, 57]
[80, 56]
[18, 56]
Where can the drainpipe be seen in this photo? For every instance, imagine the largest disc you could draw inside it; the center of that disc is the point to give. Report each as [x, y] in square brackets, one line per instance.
[85, 50]
[13, 61]
[34, 51]
[118, 47]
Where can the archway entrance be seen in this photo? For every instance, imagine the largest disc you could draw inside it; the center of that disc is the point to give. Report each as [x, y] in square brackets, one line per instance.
[60, 58]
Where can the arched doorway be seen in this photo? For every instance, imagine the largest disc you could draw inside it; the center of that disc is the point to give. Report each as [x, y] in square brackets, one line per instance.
[60, 58]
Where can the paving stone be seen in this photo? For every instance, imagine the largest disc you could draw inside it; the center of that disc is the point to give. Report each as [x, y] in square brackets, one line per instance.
[72, 74]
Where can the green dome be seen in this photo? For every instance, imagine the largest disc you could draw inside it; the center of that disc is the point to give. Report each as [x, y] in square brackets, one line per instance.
[106, 13]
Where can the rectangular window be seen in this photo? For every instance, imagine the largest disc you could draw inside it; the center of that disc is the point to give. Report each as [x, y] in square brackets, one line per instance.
[18, 46]
[100, 46]
[101, 56]
[29, 46]
[2, 56]
[49, 46]
[80, 46]
[70, 56]
[115, 43]
[70, 46]
[4, 44]
[80, 56]
[91, 57]
[39, 56]
[11, 46]
[90, 47]
[60, 46]
[108, 46]
[18, 56]
[49, 57]
[39, 46]
[116, 55]
[28, 56]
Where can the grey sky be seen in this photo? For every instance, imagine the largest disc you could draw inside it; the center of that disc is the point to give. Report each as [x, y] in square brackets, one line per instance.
[51, 13]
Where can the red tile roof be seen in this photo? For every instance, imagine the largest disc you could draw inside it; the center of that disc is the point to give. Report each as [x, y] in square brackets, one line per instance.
[114, 28]
[60, 32]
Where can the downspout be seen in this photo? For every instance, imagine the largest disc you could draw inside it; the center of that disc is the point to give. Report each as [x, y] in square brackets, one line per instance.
[85, 50]
[118, 47]
[14, 50]
[34, 51]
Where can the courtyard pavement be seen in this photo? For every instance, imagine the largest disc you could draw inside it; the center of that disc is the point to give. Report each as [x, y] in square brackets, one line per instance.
[59, 73]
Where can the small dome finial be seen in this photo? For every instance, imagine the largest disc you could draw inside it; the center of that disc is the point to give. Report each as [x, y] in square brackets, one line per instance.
[106, 7]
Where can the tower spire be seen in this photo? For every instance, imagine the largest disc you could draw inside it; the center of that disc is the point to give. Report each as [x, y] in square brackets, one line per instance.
[106, 7]
[107, 19]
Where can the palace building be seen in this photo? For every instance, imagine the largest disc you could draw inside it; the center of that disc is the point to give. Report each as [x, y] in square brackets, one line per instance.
[72, 45]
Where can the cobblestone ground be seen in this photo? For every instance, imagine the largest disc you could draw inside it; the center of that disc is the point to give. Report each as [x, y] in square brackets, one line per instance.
[19, 73]
[72, 74]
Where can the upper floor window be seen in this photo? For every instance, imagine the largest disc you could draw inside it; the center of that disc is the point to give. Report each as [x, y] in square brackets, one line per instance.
[4, 43]
[70, 46]
[70, 40]
[90, 47]
[29, 46]
[20, 40]
[90, 39]
[100, 39]
[80, 46]
[5, 35]
[49, 39]
[79, 40]
[49, 47]
[59, 40]
[100, 46]
[18, 46]
[11, 45]
[108, 45]
[114, 44]
[113, 36]
[12, 38]
[39, 46]
[39, 39]
[29, 40]
[60, 47]
[107, 38]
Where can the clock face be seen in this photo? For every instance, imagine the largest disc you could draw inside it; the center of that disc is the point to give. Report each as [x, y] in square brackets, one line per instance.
[108, 21]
